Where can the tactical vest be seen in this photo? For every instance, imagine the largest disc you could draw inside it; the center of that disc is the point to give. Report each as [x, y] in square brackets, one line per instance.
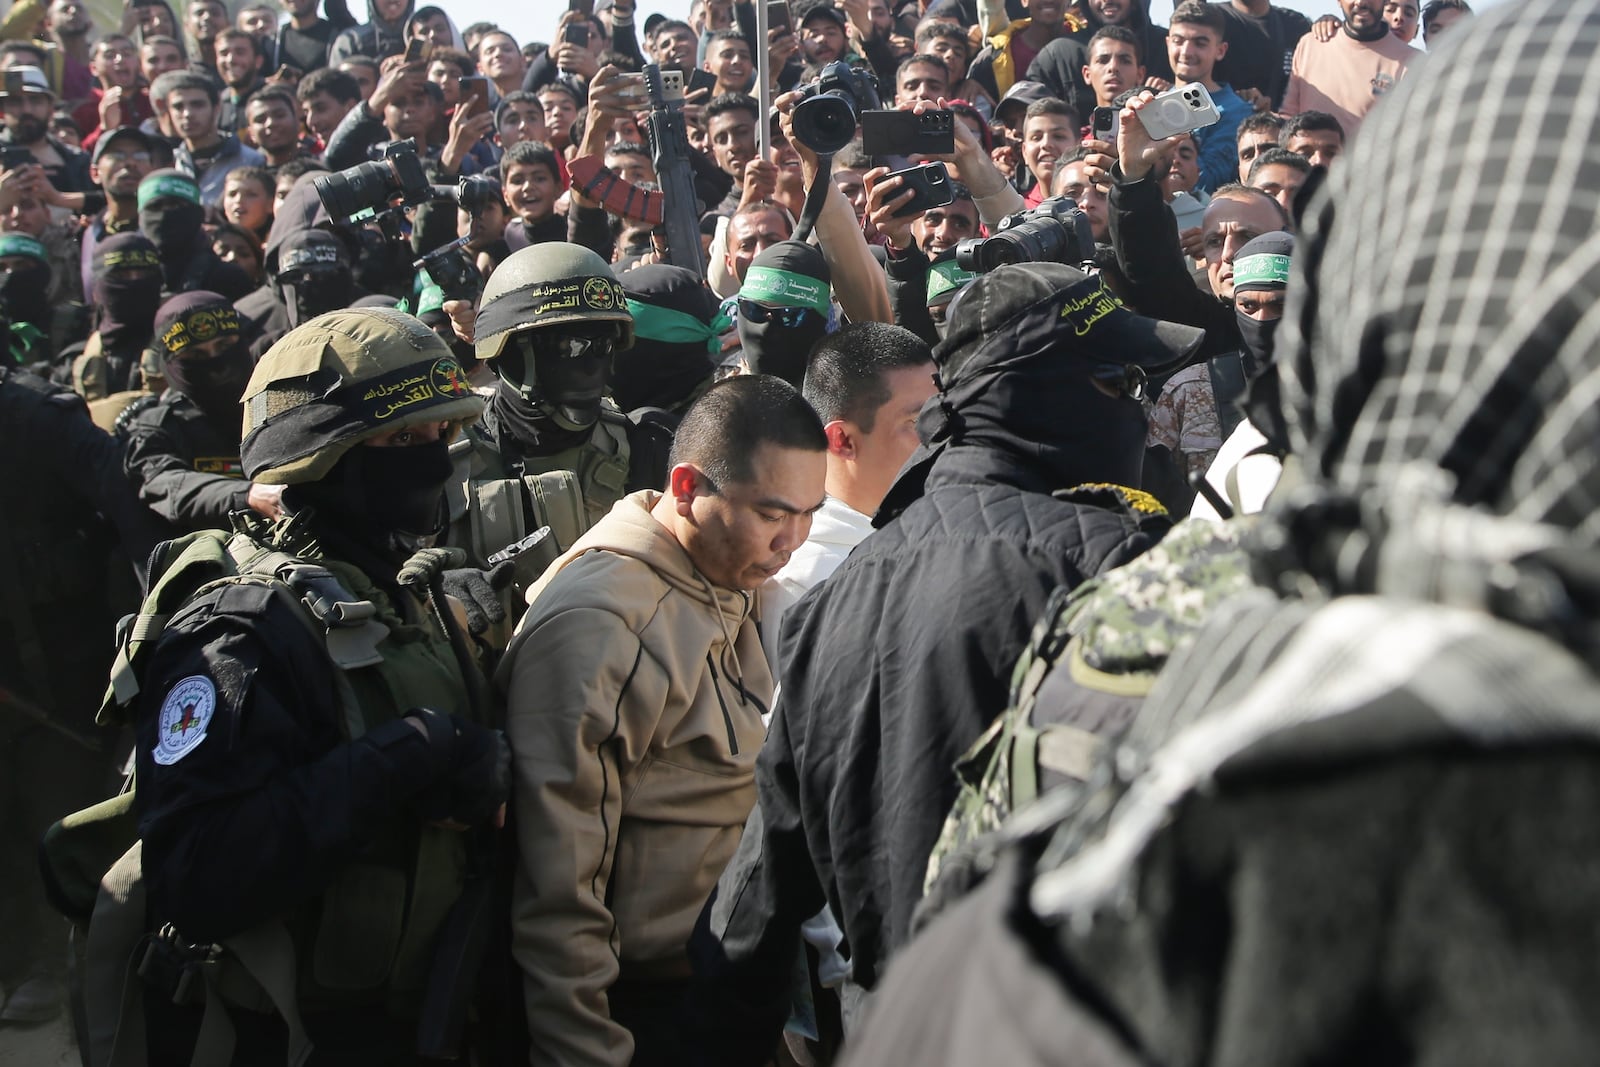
[1093, 657]
[371, 936]
[496, 502]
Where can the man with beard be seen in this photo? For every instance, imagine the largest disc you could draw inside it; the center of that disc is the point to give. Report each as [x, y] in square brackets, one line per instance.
[183, 454]
[552, 450]
[170, 215]
[239, 66]
[27, 109]
[1347, 75]
[260, 711]
[127, 292]
[1035, 439]
[308, 274]
[915, 243]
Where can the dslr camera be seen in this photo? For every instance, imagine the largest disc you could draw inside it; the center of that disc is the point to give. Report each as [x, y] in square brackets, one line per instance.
[1054, 232]
[825, 116]
[364, 190]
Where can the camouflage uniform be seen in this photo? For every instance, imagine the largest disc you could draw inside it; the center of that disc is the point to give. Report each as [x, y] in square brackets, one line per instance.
[1185, 422]
[1091, 660]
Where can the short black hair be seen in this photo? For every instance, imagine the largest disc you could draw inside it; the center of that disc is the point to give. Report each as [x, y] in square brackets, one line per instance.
[1121, 34]
[11, 48]
[731, 102]
[845, 375]
[928, 32]
[339, 84]
[275, 91]
[462, 61]
[726, 35]
[174, 80]
[922, 59]
[521, 96]
[1310, 120]
[721, 433]
[529, 152]
[1280, 157]
[296, 167]
[1434, 8]
[1259, 122]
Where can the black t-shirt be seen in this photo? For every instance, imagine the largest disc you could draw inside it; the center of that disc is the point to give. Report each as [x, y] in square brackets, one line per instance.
[306, 49]
[1260, 50]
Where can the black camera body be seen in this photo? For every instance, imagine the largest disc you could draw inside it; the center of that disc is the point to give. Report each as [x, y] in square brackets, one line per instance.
[826, 114]
[360, 192]
[905, 133]
[1054, 232]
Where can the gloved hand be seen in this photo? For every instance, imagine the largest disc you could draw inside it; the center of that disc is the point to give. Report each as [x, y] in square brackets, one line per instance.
[479, 592]
[429, 563]
[475, 779]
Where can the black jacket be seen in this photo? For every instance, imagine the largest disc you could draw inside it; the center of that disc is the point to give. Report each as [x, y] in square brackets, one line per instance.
[1260, 60]
[1144, 234]
[186, 466]
[891, 669]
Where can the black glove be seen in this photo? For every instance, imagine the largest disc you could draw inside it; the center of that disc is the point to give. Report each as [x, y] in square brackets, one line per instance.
[479, 592]
[476, 769]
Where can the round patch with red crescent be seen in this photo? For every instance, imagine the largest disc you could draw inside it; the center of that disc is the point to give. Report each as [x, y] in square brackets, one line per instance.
[185, 714]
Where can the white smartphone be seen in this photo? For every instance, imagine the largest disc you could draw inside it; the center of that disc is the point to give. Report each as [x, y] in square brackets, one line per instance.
[1181, 110]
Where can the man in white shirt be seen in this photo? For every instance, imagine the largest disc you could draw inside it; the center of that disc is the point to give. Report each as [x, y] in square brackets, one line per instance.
[867, 382]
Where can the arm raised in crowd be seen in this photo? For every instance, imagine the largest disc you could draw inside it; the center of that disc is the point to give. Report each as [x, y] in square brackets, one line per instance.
[1144, 232]
[907, 265]
[363, 127]
[858, 282]
[972, 166]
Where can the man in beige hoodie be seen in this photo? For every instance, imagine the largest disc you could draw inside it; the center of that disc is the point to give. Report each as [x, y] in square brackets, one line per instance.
[635, 689]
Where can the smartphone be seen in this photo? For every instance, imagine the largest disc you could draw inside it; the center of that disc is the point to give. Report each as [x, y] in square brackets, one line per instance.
[474, 96]
[633, 85]
[1105, 124]
[1181, 110]
[14, 156]
[417, 50]
[582, 7]
[288, 73]
[14, 84]
[672, 85]
[778, 15]
[930, 187]
[576, 33]
[904, 133]
[701, 79]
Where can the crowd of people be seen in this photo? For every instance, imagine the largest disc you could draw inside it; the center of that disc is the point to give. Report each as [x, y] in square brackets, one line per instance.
[446, 617]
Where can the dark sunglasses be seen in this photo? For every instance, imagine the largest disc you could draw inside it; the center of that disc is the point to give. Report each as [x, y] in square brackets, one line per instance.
[788, 318]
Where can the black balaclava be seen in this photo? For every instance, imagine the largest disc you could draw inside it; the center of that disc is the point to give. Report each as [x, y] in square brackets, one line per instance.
[1262, 265]
[552, 383]
[25, 288]
[1017, 375]
[790, 274]
[382, 502]
[312, 275]
[127, 289]
[215, 385]
[676, 320]
[170, 214]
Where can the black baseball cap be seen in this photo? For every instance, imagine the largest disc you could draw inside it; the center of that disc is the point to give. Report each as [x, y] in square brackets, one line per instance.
[130, 132]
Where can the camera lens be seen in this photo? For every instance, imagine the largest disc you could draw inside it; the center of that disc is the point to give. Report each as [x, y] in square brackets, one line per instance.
[365, 186]
[825, 123]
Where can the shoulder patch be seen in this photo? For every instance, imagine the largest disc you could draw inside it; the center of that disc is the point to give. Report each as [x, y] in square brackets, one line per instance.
[1106, 494]
[185, 714]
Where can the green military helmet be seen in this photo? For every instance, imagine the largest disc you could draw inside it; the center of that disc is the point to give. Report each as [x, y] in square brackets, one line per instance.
[343, 377]
[547, 285]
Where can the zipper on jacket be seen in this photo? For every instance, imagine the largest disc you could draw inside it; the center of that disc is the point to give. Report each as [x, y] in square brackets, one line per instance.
[727, 716]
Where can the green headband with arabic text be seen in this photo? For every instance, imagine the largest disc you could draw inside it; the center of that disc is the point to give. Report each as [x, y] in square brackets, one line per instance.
[785, 289]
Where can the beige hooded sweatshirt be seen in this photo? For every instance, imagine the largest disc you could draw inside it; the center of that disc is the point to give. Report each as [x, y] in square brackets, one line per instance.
[634, 695]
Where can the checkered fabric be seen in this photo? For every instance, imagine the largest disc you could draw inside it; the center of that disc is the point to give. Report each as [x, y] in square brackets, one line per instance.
[1446, 301]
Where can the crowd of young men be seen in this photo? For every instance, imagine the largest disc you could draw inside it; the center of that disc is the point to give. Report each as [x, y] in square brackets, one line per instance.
[546, 641]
